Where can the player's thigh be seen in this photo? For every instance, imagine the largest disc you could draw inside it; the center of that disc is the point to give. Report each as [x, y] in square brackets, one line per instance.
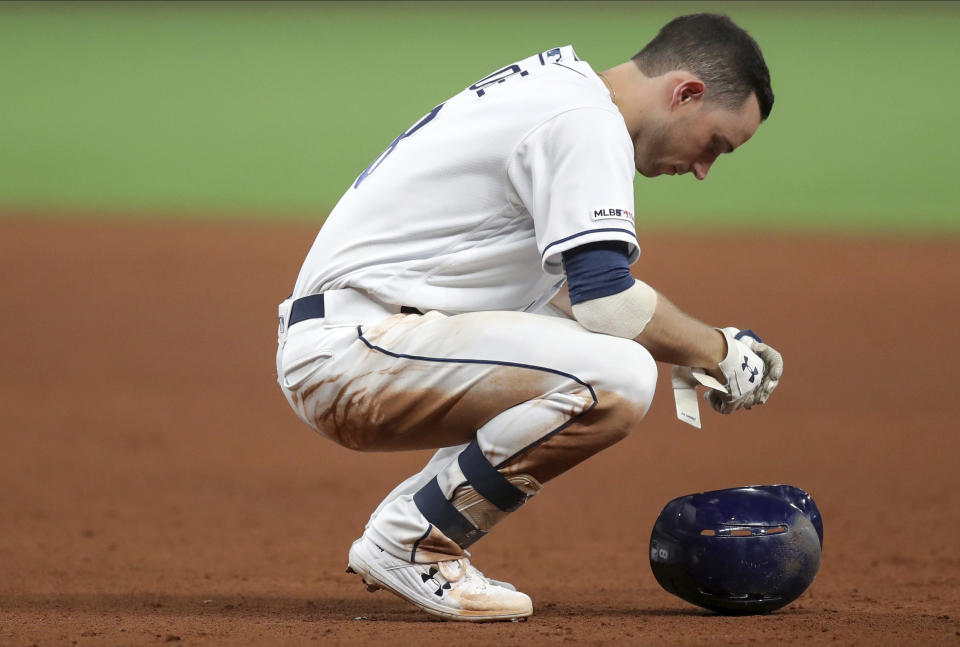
[535, 345]
[416, 382]
[553, 343]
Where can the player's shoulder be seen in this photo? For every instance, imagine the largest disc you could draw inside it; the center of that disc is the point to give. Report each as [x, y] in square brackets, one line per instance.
[570, 82]
[553, 81]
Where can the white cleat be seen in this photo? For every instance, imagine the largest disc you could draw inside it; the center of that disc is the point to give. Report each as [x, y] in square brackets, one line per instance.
[453, 590]
[504, 585]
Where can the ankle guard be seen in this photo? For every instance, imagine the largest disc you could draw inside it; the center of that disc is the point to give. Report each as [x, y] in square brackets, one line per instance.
[484, 499]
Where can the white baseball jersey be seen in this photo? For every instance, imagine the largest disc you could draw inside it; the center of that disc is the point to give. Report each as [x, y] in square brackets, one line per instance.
[471, 207]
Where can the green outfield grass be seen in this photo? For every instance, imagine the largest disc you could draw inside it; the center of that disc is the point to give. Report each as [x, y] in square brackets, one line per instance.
[275, 108]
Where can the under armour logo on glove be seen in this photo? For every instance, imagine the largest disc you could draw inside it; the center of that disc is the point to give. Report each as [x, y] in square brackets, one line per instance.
[746, 367]
[428, 577]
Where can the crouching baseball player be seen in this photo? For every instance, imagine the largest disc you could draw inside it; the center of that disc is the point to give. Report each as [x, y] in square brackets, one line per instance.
[471, 293]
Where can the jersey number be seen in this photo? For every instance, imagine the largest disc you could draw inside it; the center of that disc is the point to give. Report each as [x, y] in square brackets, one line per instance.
[479, 87]
[414, 128]
[497, 77]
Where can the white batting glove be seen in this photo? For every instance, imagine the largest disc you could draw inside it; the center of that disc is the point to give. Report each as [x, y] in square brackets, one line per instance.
[752, 370]
[773, 362]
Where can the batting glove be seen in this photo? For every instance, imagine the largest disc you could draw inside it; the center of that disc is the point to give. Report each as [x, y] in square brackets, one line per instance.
[751, 368]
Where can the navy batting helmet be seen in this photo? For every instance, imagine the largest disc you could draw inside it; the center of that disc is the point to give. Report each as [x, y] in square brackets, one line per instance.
[740, 551]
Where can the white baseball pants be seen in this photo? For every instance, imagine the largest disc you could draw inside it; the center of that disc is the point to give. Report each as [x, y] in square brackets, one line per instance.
[509, 399]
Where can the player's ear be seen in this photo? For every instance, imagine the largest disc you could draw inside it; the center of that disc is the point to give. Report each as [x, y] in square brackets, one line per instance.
[688, 91]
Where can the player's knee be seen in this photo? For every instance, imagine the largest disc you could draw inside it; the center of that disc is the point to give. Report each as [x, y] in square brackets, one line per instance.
[626, 391]
[631, 374]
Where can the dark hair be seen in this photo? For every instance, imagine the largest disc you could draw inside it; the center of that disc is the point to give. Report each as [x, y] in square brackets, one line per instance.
[721, 54]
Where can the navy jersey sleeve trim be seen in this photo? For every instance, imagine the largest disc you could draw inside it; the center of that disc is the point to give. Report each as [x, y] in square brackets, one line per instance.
[597, 270]
[586, 233]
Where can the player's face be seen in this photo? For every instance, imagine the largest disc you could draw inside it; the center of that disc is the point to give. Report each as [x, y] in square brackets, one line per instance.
[689, 139]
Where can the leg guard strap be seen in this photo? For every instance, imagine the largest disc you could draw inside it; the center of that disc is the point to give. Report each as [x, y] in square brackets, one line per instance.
[436, 509]
[485, 497]
[485, 479]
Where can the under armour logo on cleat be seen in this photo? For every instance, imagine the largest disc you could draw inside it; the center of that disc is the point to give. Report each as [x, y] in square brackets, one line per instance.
[753, 371]
[428, 577]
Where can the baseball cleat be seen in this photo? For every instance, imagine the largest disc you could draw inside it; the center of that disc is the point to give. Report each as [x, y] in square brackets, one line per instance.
[452, 590]
[504, 585]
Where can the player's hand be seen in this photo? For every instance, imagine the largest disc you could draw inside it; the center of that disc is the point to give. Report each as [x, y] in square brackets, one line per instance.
[752, 370]
[773, 362]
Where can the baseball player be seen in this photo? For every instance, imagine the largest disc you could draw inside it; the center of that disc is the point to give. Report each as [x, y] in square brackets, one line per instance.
[471, 293]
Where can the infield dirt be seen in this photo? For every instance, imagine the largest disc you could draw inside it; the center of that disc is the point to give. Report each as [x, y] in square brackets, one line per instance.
[155, 487]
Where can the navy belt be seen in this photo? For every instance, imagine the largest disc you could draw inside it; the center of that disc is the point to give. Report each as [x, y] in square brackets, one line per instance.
[312, 307]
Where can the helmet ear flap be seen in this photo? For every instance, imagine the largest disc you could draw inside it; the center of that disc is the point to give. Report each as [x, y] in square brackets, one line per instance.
[742, 550]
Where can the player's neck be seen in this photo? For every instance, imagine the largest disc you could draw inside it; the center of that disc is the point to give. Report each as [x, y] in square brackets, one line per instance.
[635, 94]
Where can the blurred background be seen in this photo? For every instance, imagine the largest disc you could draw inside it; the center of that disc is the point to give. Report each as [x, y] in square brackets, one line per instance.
[268, 110]
[163, 170]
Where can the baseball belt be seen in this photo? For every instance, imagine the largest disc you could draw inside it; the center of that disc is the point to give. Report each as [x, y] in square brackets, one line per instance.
[342, 306]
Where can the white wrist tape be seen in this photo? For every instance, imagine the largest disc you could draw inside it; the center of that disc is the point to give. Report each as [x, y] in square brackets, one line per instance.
[624, 314]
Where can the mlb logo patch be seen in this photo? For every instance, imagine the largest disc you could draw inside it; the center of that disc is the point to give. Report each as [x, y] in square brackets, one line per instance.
[603, 214]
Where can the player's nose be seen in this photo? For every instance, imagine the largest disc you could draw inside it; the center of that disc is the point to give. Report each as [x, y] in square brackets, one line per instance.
[700, 169]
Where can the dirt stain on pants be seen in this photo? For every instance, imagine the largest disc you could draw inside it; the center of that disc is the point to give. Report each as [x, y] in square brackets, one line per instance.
[540, 395]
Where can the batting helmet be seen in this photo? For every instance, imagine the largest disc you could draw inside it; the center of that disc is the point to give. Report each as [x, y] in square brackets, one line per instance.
[738, 551]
